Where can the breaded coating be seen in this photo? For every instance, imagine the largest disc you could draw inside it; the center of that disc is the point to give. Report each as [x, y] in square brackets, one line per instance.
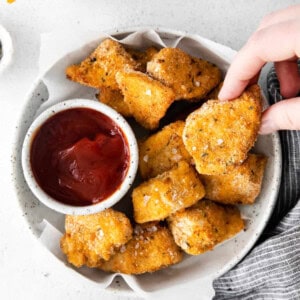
[100, 68]
[201, 227]
[114, 99]
[163, 195]
[241, 185]
[151, 248]
[147, 99]
[89, 239]
[189, 77]
[220, 134]
[162, 151]
[142, 57]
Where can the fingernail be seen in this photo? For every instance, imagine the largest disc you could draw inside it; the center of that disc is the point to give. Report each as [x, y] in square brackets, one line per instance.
[267, 126]
[222, 95]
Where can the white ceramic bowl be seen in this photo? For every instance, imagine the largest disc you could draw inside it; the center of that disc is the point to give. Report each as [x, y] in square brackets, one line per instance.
[88, 209]
[194, 272]
[7, 48]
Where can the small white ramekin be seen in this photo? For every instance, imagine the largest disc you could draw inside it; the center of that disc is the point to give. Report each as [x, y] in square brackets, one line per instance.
[88, 209]
[7, 48]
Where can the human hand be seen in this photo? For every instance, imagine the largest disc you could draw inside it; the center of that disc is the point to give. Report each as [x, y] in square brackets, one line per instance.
[277, 40]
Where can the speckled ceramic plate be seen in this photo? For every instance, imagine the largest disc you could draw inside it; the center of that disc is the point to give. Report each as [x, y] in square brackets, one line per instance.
[193, 268]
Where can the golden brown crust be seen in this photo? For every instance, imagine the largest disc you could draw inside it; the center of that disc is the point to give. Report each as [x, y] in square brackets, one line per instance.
[163, 195]
[220, 134]
[241, 185]
[114, 99]
[188, 76]
[89, 239]
[162, 151]
[142, 57]
[99, 69]
[147, 99]
[201, 227]
[151, 248]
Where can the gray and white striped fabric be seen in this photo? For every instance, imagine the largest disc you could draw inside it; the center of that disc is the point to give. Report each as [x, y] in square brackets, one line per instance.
[272, 269]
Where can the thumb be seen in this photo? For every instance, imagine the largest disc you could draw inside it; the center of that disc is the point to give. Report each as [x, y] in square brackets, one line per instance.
[282, 115]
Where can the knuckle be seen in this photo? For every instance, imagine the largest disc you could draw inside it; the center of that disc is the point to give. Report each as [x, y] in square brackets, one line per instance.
[287, 119]
[255, 38]
[267, 19]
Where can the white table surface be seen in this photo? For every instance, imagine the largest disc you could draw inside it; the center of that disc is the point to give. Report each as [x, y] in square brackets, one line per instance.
[27, 271]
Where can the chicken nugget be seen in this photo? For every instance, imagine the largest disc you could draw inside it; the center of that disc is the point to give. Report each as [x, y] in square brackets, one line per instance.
[142, 57]
[241, 185]
[220, 134]
[89, 239]
[201, 227]
[147, 99]
[114, 99]
[163, 195]
[188, 76]
[162, 151]
[99, 69]
[151, 248]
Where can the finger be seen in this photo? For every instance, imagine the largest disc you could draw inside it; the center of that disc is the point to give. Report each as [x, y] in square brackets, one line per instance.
[237, 80]
[282, 115]
[289, 78]
[279, 16]
[265, 45]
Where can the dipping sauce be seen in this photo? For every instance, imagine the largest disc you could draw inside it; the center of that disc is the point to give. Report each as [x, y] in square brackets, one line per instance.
[79, 156]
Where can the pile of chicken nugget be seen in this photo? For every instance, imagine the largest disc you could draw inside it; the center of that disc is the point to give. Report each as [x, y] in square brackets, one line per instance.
[194, 171]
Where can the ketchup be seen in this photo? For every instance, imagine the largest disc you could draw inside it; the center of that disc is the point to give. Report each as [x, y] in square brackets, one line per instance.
[79, 156]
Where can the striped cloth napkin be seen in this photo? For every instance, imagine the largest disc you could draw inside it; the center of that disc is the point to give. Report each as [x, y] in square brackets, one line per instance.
[272, 268]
